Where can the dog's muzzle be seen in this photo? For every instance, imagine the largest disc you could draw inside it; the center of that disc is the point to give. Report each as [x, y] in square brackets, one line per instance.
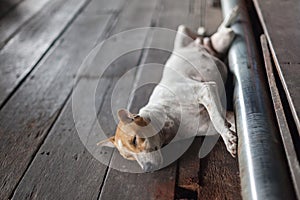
[150, 161]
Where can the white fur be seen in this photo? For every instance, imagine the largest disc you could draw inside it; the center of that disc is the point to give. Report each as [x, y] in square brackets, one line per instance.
[189, 93]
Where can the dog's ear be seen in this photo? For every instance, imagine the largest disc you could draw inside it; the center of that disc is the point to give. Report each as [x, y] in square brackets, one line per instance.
[109, 142]
[140, 121]
[124, 116]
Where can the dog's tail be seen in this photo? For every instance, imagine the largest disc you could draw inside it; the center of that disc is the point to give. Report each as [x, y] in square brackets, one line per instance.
[230, 19]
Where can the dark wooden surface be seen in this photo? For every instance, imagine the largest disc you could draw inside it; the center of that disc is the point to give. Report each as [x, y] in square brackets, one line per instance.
[14, 20]
[8, 5]
[27, 116]
[283, 34]
[43, 43]
[19, 56]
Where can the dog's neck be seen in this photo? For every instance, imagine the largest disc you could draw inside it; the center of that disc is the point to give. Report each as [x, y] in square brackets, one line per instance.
[165, 122]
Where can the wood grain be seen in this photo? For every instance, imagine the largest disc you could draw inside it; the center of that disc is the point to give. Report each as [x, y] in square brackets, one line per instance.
[20, 55]
[219, 175]
[63, 168]
[41, 97]
[188, 173]
[69, 143]
[15, 19]
[7, 5]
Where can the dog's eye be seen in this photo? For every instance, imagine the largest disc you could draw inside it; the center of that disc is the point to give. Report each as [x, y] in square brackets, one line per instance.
[134, 141]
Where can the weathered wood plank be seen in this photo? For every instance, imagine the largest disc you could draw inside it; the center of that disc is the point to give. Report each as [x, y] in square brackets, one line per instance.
[210, 16]
[41, 97]
[146, 186]
[34, 181]
[176, 13]
[283, 35]
[7, 5]
[188, 173]
[17, 17]
[213, 18]
[128, 20]
[71, 171]
[28, 46]
[219, 176]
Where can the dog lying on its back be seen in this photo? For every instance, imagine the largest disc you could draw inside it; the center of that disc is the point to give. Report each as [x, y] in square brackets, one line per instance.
[187, 93]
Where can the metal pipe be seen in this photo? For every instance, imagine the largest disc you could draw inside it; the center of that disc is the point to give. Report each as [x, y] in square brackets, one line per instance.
[263, 170]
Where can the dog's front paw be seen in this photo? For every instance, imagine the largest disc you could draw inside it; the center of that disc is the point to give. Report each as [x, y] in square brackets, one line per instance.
[230, 141]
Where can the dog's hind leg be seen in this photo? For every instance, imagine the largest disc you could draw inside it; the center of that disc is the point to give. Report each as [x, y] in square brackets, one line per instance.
[210, 99]
[231, 120]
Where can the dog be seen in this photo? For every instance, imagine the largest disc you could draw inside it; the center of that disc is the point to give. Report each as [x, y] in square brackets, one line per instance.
[187, 99]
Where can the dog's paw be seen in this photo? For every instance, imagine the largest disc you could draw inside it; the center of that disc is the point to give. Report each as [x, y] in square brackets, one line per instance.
[231, 143]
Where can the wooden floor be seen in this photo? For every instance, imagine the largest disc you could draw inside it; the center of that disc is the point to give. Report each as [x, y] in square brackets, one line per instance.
[42, 45]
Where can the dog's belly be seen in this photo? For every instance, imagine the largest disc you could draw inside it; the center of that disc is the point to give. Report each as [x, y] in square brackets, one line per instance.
[180, 102]
[201, 67]
[178, 92]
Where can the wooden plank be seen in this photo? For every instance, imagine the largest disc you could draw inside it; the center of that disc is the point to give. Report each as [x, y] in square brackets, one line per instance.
[283, 126]
[128, 20]
[41, 97]
[175, 13]
[188, 174]
[63, 159]
[213, 18]
[219, 176]
[146, 186]
[19, 56]
[282, 33]
[7, 5]
[17, 17]
[33, 179]
[210, 15]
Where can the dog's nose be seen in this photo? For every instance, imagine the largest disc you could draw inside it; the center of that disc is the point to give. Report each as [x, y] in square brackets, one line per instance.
[148, 167]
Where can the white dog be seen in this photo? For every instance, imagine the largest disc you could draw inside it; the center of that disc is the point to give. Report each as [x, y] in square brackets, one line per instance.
[184, 103]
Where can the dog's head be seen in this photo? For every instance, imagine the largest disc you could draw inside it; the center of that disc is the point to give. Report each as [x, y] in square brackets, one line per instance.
[136, 139]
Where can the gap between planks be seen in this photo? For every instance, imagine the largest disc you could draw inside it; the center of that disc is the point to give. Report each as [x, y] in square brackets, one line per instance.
[13, 80]
[39, 69]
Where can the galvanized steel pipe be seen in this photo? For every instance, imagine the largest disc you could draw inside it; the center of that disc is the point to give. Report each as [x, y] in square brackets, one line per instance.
[263, 170]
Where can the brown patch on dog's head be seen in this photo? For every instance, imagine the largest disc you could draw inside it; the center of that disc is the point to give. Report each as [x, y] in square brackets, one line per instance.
[132, 135]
